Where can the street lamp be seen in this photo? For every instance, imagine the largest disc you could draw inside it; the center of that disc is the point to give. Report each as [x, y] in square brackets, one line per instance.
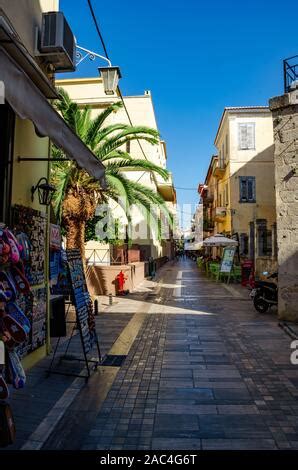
[45, 192]
[110, 74]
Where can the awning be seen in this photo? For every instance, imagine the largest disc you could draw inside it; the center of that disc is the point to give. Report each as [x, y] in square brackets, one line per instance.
[29, 103]
[12, 44]
[219, 240]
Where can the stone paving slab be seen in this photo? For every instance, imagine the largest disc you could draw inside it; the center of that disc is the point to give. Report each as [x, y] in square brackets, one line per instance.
[203, 371]
[202, 375]
[43, 401]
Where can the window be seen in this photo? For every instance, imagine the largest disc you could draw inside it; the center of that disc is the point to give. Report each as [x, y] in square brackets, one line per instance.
[247, 188]
[264, 238]
[246, 136]
[222, 156]
[128, 146]
[227, 147]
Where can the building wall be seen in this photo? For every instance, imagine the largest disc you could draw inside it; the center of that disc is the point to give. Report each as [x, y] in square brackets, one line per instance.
[285, 118]
[258, 163]
[25, 16]
[208, 196]
[140, 108]
[27, 174]
[222, 195]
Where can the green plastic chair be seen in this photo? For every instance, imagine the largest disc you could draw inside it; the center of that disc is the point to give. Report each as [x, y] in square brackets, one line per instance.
[236, 274]
[214, 270]
[224, 277]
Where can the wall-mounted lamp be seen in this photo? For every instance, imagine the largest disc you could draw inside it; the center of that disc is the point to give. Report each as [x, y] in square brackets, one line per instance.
[45, 192]
[110, 76]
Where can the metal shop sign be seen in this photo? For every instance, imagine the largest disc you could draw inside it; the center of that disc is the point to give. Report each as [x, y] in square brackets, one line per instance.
[227, 260]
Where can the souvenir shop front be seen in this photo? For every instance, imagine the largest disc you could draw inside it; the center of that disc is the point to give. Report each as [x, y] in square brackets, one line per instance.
[28, 126]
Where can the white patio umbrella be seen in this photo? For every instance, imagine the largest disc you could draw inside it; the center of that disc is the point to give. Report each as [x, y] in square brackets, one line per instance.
[219, 240]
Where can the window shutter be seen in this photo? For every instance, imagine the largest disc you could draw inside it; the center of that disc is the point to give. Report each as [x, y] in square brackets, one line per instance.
[254, 188]
[227, 147]
[242, 136]
[250, 132]
[247, 188]
[251, 188]
[246, 136]
[243, 188]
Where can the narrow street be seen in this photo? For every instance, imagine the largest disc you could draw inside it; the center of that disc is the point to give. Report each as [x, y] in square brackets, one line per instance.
[203, 371]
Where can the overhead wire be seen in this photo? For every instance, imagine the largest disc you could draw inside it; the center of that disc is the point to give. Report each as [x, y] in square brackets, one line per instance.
[118, 88]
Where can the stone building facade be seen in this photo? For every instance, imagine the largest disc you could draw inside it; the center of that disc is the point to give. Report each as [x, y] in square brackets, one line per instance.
[285, 121]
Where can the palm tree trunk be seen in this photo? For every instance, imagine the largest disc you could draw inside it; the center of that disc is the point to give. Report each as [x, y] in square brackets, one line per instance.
[78, 207]
[75, 235]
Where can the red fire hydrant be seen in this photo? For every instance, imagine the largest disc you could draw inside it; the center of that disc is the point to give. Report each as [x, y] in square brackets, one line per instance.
[120, 279]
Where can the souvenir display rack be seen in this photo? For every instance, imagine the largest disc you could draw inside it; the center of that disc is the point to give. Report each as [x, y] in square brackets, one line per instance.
[84, 321]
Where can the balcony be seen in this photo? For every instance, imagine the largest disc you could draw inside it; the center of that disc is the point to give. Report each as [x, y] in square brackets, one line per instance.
[220, 214]
[219, 172]
[209, 198]
[167, 191]
[166, 188]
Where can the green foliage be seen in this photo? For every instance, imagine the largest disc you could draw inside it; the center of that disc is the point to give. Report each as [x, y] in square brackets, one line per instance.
[105, 141]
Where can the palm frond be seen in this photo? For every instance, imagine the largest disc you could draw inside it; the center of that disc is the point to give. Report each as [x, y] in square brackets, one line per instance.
[136, 164]
[97, 122]
[117, 154]
[114, 143]
[69, 109]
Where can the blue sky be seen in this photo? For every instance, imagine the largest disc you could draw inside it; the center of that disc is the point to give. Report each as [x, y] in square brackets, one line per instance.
[196, 58]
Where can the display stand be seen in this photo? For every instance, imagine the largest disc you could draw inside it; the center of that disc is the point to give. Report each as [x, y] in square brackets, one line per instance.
[84, 322]
[227, 262]
[90, 363]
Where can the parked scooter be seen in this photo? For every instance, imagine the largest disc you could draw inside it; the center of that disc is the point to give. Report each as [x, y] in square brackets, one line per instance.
[264, 293]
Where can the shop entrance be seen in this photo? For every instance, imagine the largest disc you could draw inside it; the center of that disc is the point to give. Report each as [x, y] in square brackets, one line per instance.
[7, 124]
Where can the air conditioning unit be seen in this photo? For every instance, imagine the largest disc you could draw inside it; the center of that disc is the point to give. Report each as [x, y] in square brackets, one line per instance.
[57, 43]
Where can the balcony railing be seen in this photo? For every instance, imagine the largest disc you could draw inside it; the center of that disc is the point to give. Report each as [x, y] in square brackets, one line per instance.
[290, 73]
[220, 213]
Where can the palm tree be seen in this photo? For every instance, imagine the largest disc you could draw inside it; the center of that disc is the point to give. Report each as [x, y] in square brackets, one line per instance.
[77, 194]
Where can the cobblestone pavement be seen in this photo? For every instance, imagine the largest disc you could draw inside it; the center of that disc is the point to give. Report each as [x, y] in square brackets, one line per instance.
[205, 371]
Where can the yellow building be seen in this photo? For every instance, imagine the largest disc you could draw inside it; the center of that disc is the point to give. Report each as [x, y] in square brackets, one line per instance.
[90, 91]
[208, 198]
[28, 124]
[244, 196]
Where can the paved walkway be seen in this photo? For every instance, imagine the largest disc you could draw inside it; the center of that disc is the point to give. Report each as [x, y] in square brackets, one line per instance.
[203, 371]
